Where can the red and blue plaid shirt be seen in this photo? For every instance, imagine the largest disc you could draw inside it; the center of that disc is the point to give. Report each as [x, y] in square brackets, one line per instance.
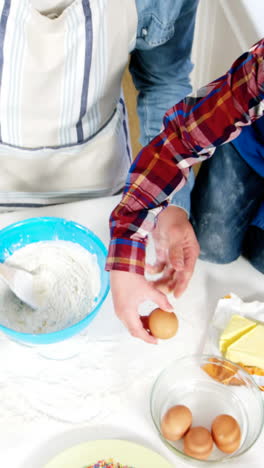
[192, 130]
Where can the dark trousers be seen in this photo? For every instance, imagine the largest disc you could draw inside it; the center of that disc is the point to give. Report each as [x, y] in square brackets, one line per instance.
[225, 199]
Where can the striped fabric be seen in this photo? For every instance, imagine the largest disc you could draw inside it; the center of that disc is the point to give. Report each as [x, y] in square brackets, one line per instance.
[192, 130]
[73, 95]
[63, 124]
[45, 74]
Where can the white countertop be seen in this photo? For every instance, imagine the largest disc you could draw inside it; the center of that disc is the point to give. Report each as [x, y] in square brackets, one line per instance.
[103, 388]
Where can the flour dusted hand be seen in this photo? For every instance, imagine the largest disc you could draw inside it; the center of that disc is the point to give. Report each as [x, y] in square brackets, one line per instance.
[66, 282]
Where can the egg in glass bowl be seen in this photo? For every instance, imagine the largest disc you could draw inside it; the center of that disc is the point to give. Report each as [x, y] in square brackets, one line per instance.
[206, 409]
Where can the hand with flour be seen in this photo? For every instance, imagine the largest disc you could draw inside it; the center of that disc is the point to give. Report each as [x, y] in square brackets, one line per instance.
[177, 250]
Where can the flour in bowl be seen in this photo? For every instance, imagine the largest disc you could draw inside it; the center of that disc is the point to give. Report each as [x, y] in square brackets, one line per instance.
[66, 283]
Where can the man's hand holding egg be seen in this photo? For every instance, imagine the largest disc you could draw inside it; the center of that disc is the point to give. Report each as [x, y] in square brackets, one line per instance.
[129, 291]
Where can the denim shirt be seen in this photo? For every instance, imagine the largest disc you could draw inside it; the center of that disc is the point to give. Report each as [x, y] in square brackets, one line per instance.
[160, 66]
[160, 63]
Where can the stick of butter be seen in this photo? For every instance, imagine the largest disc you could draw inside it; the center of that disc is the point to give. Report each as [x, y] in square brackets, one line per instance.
[236, 327]
[249, 348]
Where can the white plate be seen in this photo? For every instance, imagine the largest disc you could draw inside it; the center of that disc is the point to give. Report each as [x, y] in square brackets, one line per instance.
[112, 438]
[124, 452]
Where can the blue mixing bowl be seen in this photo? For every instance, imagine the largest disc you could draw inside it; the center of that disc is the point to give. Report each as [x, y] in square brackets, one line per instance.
[39, 229]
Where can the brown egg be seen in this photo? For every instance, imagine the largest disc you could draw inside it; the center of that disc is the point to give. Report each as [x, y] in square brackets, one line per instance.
[163, 324]
[226, 433]
[230, 448]
[176, 422]
[198, 443]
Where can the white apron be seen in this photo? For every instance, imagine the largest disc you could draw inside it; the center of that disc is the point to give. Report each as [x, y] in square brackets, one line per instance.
[63, 126]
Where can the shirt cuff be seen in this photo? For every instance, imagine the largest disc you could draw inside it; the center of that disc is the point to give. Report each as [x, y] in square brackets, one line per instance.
[126, 255]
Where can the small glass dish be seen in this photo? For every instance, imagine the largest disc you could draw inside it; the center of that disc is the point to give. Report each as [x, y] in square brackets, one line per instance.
[209, 386]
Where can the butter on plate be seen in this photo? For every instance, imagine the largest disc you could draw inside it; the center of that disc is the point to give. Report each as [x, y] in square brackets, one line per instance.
[236, 327]
[249, 348]
[232, 336]
[242, 342]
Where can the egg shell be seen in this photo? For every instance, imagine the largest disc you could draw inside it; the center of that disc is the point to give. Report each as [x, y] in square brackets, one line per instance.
[162, 324]
[199, 456]
[226, 432]
[176, 422]
[198, 443]
[230, 448]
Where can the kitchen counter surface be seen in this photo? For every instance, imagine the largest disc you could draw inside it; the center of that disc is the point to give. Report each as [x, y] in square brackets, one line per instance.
[97, 384]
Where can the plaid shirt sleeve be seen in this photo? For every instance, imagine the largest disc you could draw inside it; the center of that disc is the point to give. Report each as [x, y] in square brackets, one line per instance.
[192, 130]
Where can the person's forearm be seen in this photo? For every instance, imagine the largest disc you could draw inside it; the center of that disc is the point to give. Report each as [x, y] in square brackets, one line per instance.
[192, 130]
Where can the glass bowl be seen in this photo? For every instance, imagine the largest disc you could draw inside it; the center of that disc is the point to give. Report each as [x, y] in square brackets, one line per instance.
[209, 386]
[38, 229]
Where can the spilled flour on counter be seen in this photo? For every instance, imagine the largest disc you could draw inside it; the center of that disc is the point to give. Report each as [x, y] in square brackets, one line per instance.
[66, 283]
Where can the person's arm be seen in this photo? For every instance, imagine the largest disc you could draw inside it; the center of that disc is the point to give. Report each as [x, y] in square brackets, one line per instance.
[161, 72]
[192, 130]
